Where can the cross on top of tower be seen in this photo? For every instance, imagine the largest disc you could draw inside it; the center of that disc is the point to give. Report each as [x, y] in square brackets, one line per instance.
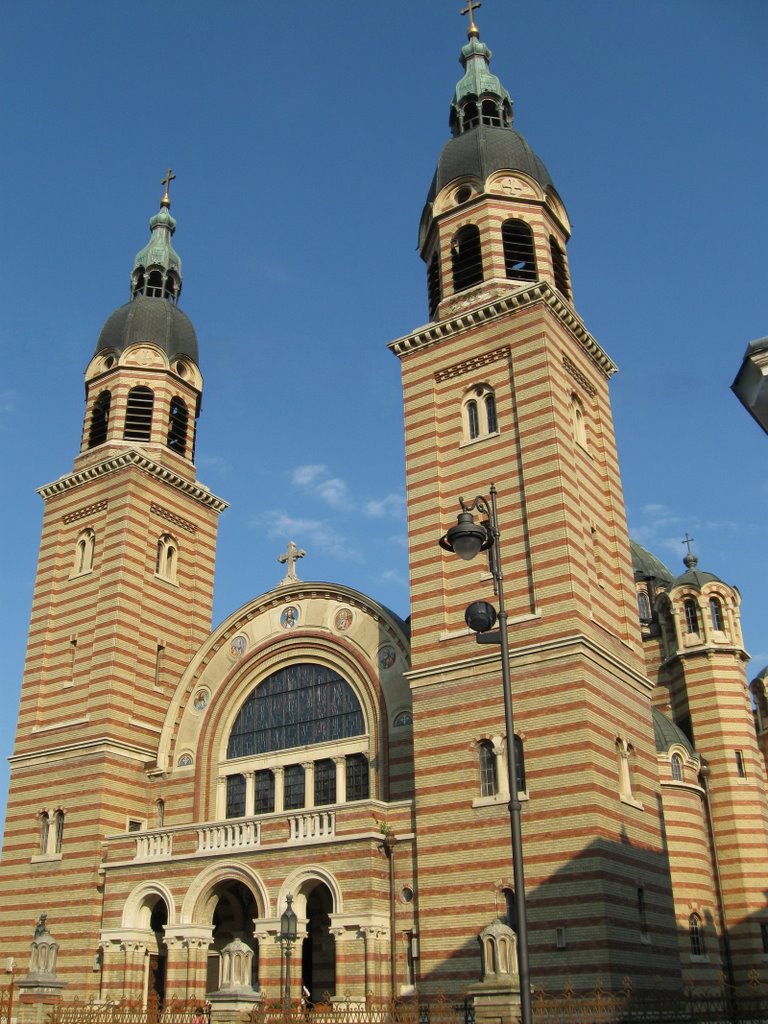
[290, 556]
[470, 9]
[169, 177]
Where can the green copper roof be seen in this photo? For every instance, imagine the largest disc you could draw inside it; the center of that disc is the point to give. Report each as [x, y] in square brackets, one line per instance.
[478, 78]
[159, 252]
[666, 734]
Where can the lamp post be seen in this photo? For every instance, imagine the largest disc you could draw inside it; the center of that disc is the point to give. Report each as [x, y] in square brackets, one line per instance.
[287, 938]
[467, 539]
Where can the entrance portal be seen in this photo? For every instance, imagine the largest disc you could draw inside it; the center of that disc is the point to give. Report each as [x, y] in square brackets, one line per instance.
[158, 919]
[318, 952]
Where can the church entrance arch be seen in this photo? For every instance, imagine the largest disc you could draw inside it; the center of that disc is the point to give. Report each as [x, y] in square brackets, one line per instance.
[234, 912]
[318, 950]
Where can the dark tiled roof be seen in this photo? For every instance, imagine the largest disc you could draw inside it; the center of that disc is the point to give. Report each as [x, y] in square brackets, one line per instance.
[647, 565]
[666, 733]
[151, 320]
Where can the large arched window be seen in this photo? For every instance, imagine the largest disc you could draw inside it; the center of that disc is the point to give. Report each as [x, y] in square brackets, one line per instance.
[97, 433]
[644, 606]
[167, 557]
[178, 421]
[138, 414]
[296, 706]
[676, 765]
[519, 254]
[696, 935]
[84, 552]
[466, 258]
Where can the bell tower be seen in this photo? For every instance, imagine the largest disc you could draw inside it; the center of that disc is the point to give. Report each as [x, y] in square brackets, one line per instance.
[123, 596]
[506, 385]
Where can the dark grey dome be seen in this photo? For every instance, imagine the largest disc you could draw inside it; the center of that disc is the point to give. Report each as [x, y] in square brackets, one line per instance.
[153, 320]
[482, 151]
[648, 566]
[696, 579]
[666, 733]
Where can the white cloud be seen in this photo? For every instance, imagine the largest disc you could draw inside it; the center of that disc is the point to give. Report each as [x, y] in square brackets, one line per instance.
[333, 492]
[308, 534]
[391, 505]
[305, 476]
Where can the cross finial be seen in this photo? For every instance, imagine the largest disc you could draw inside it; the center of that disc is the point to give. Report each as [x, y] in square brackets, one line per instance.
[690, 561]
[687, 541]
[170, 176]
[470, 9]
[290, 557]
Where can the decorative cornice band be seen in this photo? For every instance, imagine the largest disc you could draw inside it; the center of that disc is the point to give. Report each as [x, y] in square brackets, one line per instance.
[81, 513]
[541, 291]
[579, 377]
[475, 363]
[135, 459]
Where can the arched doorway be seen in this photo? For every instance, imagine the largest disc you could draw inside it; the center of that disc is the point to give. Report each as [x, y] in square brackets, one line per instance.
[318, 951]
[158, 919]
[233, 915]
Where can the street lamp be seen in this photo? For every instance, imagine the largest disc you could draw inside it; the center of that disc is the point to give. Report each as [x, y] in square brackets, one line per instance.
[467, 539]
[288, 922]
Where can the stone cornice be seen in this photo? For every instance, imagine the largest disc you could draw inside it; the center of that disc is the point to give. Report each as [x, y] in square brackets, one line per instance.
[42, 754]
[541, 291]
[533, 654]
[136, 459]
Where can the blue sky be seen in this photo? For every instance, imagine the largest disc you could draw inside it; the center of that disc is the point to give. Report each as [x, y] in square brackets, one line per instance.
[304, 135]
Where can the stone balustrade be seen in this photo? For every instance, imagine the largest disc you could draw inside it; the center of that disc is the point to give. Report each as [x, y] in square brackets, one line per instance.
[312, 825]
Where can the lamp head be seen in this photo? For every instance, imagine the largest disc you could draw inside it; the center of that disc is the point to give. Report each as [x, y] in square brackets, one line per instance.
[480, 616]
[288, 921]
[467, 538]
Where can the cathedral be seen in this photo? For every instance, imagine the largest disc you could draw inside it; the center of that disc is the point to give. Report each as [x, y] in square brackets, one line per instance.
[176, 790]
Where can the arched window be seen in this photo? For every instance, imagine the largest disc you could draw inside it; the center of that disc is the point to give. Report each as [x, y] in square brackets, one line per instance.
[471, 116]
[579, 422]
[490, 413]
[491, 114]
[489, 782]
[691, 615]
[178, 422]
[325, 782]
[167, 558]
[97, 433]
[479, 412]
[559, 268]
[466, 258]
[84, 551]
[155, 285]
[296, 706]
[676, 764]
[58, 830]
[644, 606]
[265, 791]
[358, 777]
[45, 829]
[138, 414]
[519, 765]
[696, 935]
[159, 813]
[235, 796]
[716, 614]
[433, 285]
[519, 253]
[473, 420]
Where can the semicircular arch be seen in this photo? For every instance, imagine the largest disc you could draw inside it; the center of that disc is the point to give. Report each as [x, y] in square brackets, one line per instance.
[138, 907]
[200, 899]
[301, 881]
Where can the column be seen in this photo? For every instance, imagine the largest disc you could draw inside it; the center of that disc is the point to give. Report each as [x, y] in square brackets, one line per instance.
[341, 779]
[250, 791]
[309, 784]
[279, 788]
[270, 959]
[221, 797]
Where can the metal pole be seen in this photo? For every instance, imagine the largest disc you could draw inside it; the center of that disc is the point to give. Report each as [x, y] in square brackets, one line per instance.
[287, 996]
[514, 801]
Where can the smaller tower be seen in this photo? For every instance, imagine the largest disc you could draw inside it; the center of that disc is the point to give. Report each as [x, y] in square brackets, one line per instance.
[703, 683]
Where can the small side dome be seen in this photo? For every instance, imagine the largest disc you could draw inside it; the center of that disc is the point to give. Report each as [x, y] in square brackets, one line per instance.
[648, 566]
[150, 320]
[667, 734]
[692, 577]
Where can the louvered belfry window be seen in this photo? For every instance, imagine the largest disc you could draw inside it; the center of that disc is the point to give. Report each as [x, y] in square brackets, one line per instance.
[178, 421]
[99, 419]
[297, 706]
[138, 414]
[466, 258]
[519, 254]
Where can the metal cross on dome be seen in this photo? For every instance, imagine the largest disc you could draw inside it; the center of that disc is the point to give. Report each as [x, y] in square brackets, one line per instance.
[687, 541]
[169, 177]
[470, 9]
[290, 556]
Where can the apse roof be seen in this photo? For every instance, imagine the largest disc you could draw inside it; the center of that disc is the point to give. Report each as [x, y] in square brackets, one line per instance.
[646, 565]
[667, 734]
